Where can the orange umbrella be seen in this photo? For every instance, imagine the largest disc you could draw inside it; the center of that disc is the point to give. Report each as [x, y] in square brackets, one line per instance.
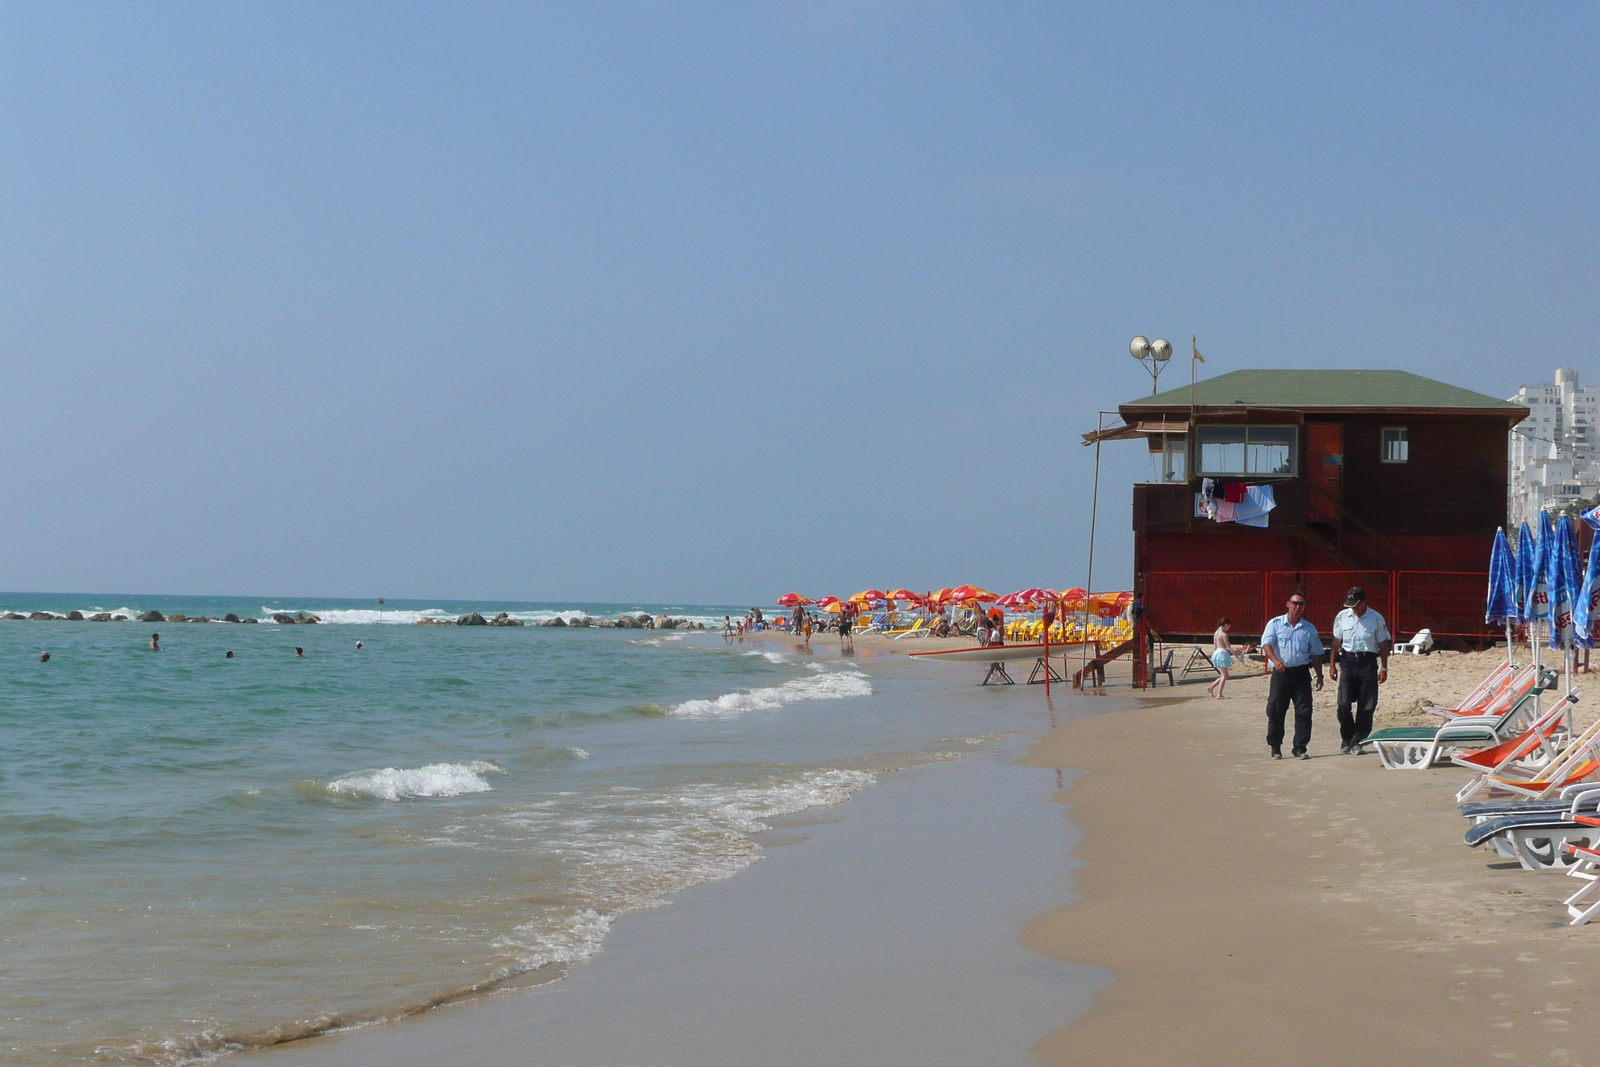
[906, 594]
[942, 596]
[971, 592]
[834, 608]
[789, 600]
[866, 596]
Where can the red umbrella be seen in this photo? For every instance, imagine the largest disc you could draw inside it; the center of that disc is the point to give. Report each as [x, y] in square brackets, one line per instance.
[906, 594]
[825, 601]
[789, 600]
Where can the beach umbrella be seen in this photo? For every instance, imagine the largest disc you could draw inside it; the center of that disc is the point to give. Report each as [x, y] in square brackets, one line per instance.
[971, 592]
[1587, 604]
[1502, 582]
[834, 608]
[1537, 604]
[827, 600]
[866, 596]
[906, 594]
[1563, 567]
[789, 600]
[1526, 551]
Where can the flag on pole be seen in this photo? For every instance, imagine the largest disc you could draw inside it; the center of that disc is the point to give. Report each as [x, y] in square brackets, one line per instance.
[1195, 351]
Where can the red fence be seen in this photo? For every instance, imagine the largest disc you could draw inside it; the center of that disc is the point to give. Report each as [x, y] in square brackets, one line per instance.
[1449, 603]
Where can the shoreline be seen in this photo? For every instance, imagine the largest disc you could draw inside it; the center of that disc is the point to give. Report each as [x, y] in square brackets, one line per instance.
[1307, 912]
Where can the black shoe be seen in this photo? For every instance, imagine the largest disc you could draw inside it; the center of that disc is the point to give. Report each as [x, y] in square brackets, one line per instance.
[1345, 750]
[1300, 753]
[1277, 753]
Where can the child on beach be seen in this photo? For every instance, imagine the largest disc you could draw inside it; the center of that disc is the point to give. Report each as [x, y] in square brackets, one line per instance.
[1222, 657]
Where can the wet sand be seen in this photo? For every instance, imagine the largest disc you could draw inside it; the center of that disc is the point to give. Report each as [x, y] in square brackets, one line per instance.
[1306, 912]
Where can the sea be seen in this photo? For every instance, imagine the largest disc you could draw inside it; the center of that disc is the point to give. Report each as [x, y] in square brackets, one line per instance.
[201, 854]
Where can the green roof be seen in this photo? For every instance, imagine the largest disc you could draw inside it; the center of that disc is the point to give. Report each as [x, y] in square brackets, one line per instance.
[1312, 389]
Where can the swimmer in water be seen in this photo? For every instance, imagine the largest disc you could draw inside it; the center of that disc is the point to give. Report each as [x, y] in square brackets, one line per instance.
[358, 644]
[155, 642]
[44, 657]
[299, 653]
[230, 653]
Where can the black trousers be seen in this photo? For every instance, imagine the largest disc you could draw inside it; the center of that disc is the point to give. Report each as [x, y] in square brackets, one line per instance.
[1358, 686]
[1292, 683]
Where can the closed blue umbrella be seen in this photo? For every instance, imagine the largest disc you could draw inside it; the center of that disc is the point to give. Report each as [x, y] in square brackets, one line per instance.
[1526, 550]
[1563, 583]
[1502, 597]
[1539, 581]
[1584, 608]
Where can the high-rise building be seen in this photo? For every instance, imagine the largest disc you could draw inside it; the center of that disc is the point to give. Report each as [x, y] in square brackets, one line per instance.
[1555, 451]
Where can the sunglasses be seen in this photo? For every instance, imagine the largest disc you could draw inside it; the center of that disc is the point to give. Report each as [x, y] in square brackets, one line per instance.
[1297, 603]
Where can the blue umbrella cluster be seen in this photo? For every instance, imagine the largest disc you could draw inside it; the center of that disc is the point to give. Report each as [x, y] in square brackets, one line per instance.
[1543, 578]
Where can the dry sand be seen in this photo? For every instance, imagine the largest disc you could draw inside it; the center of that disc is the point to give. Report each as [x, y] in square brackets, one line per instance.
[1301, 912]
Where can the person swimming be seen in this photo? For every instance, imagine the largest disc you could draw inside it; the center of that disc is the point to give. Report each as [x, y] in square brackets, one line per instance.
[358, 645]
[44, 657]
[230, 653]
[155, 642]
[299, 653]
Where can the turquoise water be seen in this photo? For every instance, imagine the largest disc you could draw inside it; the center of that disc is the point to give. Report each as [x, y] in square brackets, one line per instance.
[205, 854]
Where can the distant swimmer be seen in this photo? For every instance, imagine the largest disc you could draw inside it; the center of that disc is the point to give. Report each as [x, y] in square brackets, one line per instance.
[230, 653]
[358, 645]
[44, 657]
[155, 642]
[380, 600]
[299, 652]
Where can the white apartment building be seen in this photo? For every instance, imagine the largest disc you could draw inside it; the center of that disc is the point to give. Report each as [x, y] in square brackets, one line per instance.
[1555, 451]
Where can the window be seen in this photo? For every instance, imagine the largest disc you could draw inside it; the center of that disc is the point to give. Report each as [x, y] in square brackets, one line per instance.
[1247, 449]
[1396, 448]
[1174, 458]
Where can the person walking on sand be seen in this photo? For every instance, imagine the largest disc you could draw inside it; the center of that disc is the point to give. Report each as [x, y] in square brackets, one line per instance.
[1360, 663]
[1222, 655]
[155, 642]
[1293, 652]
[845, 625]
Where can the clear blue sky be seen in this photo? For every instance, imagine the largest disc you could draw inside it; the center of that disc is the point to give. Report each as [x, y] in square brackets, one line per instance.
[708, 302]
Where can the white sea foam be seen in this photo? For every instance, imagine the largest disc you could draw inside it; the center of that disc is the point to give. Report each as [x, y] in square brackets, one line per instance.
[578, 752]
[770, 657]
[823, 684]
[434, 780]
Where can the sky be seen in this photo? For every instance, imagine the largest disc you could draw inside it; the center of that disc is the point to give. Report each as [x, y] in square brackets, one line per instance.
[708, 302]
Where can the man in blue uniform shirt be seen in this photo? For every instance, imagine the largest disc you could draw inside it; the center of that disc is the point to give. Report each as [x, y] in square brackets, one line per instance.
[1360, 661]
[1293, 652]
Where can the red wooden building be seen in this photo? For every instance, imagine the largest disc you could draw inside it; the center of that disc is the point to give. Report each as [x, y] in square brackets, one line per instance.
[1379, 478]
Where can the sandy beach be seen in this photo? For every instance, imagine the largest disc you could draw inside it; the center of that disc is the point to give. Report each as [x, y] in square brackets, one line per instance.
[1309, 912]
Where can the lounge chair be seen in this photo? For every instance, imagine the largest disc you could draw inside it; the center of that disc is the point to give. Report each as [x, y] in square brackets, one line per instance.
[1504, 684]
[1420, 747]
[1575, 763]
[1583, 904]
[1536, 833]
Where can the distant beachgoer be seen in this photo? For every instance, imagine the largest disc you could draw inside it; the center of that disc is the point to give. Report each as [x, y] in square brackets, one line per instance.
[230, 653]
[982, 630]
[155, 642]
[846, 624]
[359, 645]
[805, 624]
[1222, 655]
[380, 600]
[299, 652]
[44, 657]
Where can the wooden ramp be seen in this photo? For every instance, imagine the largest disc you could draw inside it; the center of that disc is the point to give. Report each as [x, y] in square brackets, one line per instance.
[1100, 661]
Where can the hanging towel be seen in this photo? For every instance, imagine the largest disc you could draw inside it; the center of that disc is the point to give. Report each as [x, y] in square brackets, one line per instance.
[1225, 511]
[1208, 497]
[1234, 492]
[1252, 510]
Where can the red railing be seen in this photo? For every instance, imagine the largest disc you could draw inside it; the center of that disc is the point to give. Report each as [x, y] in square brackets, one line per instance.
[1325, 592]
[1191, 602]
[1449, 603]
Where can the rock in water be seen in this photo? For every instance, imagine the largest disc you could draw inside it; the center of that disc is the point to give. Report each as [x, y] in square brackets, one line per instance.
[152, 616]
[230, 617]
[74, 616]
[557, 621]
[472, 619]
[250, 620]
[14, 615]
[43, 616]
[280, 617]
[177, 618]
[301, 616]
[104, 616]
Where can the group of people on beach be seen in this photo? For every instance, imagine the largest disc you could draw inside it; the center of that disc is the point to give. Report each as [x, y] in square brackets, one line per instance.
[1292, 654]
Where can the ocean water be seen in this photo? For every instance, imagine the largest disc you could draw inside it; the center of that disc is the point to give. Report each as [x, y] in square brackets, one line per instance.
[203, 855]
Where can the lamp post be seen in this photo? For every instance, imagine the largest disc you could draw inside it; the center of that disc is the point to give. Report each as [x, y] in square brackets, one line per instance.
[1153, 354]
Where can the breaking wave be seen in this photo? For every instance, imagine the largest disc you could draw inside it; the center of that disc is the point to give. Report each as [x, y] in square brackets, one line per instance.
[822, 685]
[434, 780]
